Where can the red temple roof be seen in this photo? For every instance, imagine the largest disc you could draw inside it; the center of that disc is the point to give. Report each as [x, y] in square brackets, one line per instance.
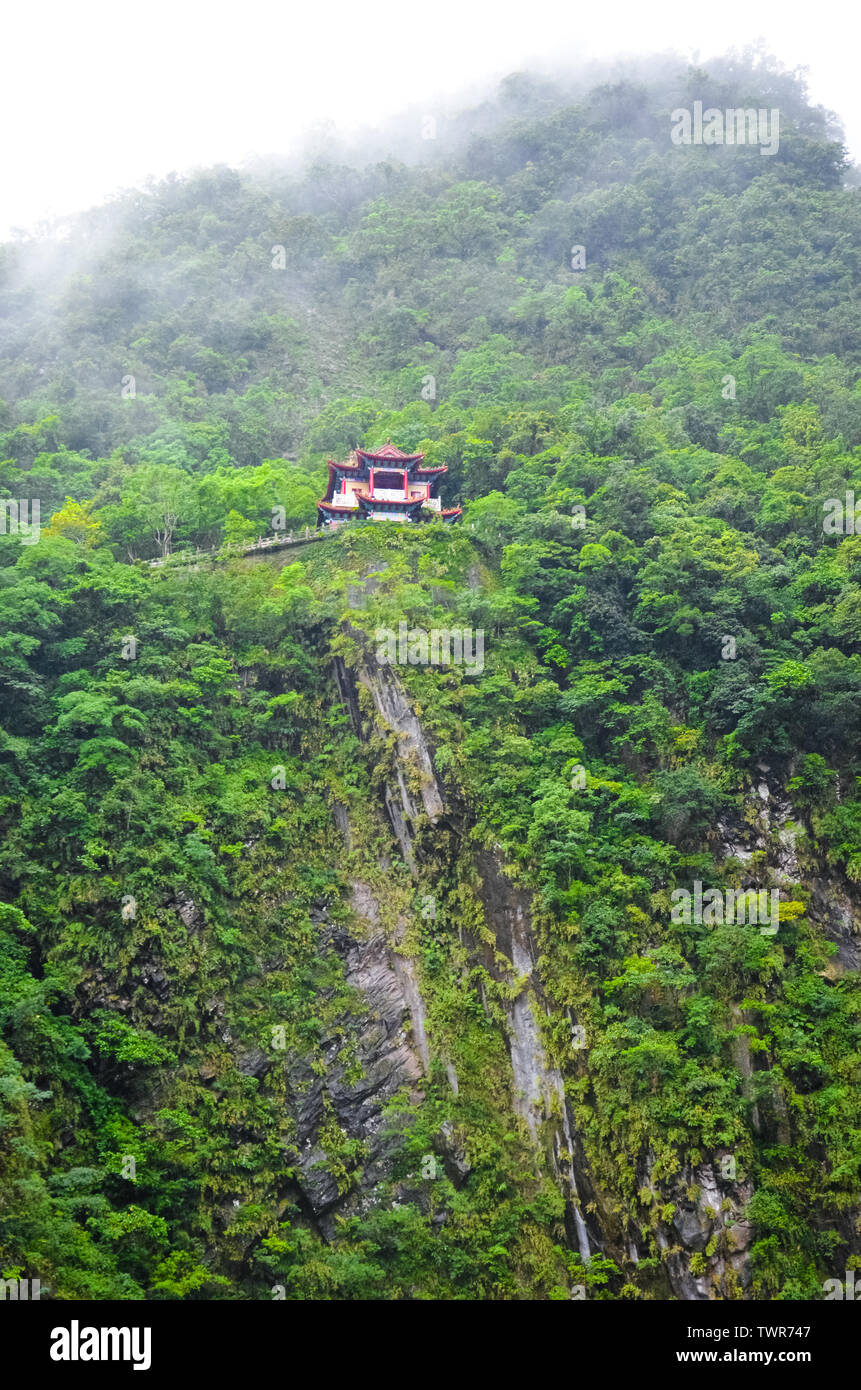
[389, 452]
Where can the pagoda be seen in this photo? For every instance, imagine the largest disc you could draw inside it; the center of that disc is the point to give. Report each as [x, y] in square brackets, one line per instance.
[385, 485]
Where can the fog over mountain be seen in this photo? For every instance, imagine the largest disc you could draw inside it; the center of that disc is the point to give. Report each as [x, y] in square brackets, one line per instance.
[122, 96]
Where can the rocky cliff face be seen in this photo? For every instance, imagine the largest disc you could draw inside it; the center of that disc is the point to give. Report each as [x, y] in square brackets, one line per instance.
[696, 1219]
[415, 799]
[387, 1059]
[772, 832]
[387, 1027]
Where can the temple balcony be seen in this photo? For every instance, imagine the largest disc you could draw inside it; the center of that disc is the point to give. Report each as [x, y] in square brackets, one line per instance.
[390, 494]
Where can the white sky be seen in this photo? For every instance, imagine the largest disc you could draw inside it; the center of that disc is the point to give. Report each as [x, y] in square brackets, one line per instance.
[97, 94]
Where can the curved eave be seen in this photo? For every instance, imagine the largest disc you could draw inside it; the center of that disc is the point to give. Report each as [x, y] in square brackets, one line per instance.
[396, 458]
[379, 504]
[325, 506]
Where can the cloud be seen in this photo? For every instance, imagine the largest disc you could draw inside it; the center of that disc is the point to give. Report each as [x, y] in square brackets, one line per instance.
[98, 96]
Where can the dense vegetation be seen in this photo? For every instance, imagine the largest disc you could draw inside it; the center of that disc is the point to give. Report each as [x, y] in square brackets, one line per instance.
[692, 397]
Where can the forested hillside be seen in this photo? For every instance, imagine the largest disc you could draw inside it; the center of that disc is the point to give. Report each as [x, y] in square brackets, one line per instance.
[322, 979]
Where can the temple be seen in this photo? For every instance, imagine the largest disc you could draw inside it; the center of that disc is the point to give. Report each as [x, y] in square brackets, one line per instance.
[383, 486]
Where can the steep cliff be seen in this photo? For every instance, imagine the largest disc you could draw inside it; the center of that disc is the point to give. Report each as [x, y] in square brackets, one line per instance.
[702, 1211]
